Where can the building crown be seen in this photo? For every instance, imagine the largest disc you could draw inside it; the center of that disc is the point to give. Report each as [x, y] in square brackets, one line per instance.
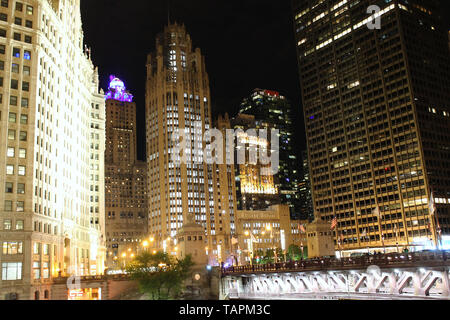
[118, 91]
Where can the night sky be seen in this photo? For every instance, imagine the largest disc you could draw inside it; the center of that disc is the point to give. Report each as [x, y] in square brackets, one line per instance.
[247, 43]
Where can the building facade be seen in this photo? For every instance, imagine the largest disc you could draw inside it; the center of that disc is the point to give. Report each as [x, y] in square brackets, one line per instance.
[52, 143]
[254, 189]
[125, 178]
[273, 111]
[376, 106]
[264, 230]
[178, 101]
[304, 188]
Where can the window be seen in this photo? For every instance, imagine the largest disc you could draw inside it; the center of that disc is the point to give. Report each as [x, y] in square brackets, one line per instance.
[8, 205]
[36, 248]
[20, 206]
[3, 17]
[37, 270]
[15, 68]
[11, 271]
[19, 6]
[23, 136]
[13, 101]
[28, 24]
[14, 84]
[19, 224]
[45, 274]
[25, 86]
[23, 153]
[11, 152]
[22, 170]
[18, 21]
[30, 10]
[27, 55]
[2, 65]
[2, 49]
[12, 248]
[11, 134]
[24, 119]
[17, 36]
[12, 117]
[46, 249]
[9, 187]
[20, 188]
[7, 224]
[26, 71]
[28, 39]
[9, 169]
[24, 103]
[4, 3]
[16, 52]
[3, 33]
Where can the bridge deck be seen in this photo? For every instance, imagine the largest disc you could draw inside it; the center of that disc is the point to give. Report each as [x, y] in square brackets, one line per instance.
[405, 260]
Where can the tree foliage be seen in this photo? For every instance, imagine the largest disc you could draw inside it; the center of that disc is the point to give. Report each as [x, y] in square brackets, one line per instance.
[160, 275]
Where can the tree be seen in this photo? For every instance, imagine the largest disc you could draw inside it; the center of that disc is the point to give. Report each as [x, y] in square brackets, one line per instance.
[294, 253]
[160, 275]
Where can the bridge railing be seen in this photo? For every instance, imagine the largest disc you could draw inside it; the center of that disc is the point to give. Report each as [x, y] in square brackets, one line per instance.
[381, 260]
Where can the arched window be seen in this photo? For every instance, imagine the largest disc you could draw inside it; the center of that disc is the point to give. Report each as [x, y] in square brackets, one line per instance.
[36, 295]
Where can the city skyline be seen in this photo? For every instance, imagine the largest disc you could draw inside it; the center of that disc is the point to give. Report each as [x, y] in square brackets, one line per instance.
[237, 150]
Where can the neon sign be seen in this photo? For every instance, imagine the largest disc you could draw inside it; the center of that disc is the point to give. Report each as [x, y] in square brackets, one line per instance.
[117, 90]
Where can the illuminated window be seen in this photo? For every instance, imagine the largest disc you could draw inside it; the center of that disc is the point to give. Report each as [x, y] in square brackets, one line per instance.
[12, 248]
[11, 271]
[19, 224]
[7, 224]
[11, 152]
[12, 117]
[37, 270]
[22, 170]
[9, 169]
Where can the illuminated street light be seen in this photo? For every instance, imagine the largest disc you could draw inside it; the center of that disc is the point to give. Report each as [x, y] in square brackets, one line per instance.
[145, 244]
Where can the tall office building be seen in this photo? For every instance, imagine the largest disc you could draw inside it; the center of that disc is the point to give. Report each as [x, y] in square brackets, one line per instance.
[376, 106]
[273, 111]
[125, 178]
[52, 131]
[178, 98]
[254, 189]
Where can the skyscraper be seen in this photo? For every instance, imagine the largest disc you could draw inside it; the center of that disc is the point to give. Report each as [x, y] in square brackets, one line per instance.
[125, 177]
[254, 191]
[178, 99]
[52, 131]
[376, 106]
[272, 111]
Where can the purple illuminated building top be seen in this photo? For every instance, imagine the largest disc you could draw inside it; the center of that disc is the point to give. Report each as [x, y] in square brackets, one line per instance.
[117, 91]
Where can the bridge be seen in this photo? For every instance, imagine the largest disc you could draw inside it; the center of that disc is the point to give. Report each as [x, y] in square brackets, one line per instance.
[390, 276]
